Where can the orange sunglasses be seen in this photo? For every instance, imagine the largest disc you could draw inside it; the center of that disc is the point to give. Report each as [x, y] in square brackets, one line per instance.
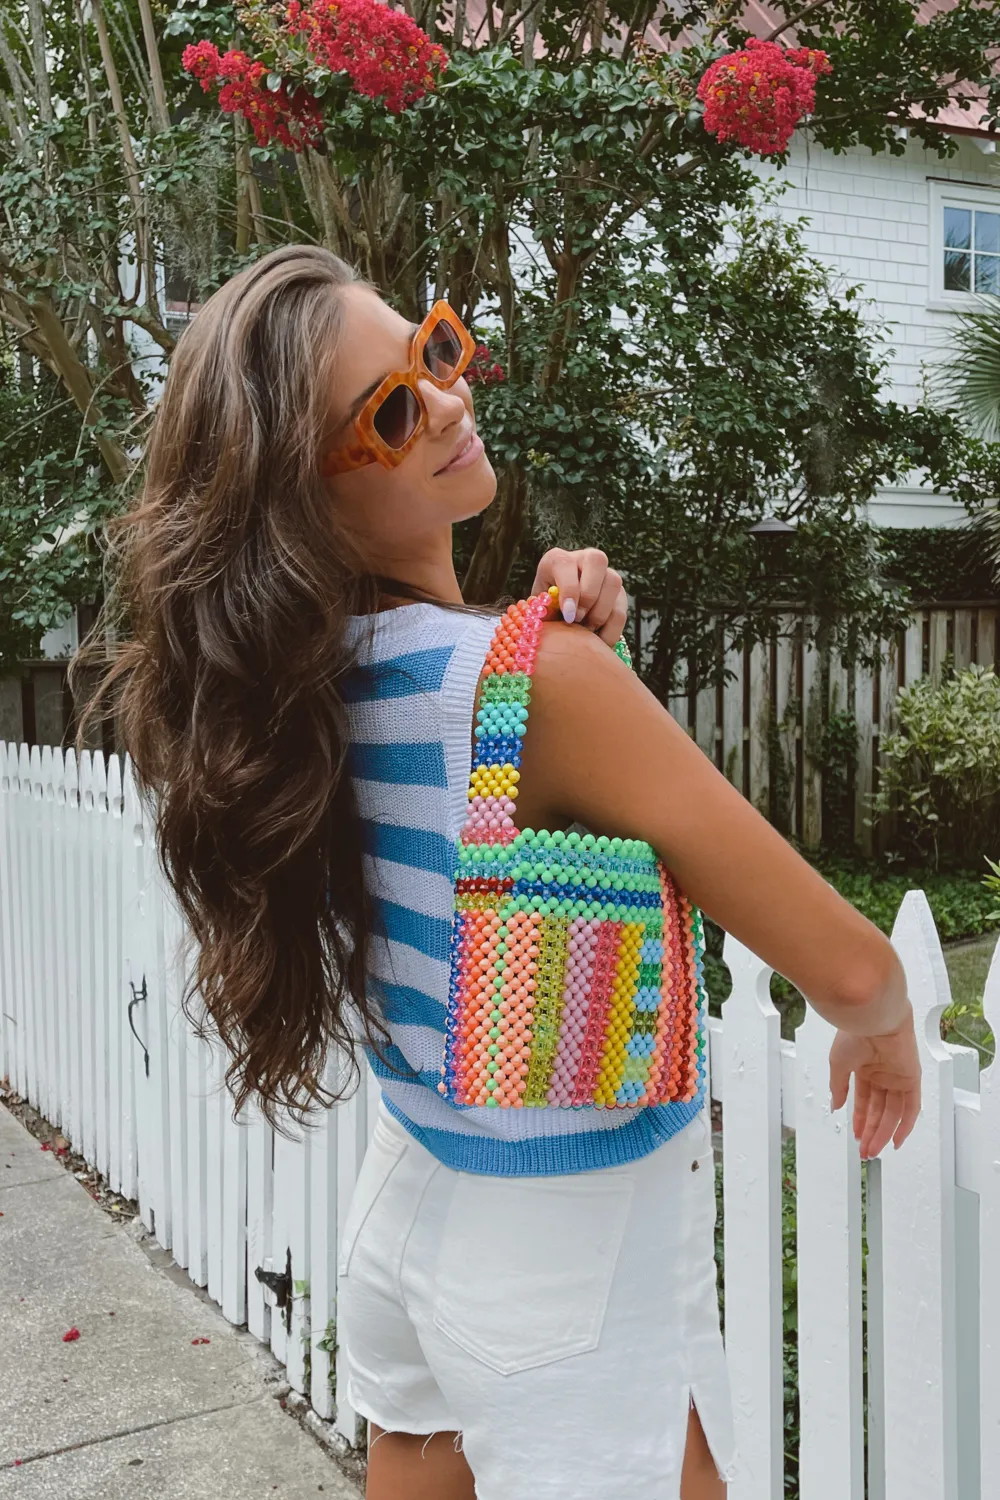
[393, 417]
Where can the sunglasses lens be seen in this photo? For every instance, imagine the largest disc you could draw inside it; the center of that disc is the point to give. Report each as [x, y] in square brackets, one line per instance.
[443, 350]
[397, 417]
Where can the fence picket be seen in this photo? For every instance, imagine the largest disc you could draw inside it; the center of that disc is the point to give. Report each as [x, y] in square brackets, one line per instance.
[787, 719]
[918, 1227]
[176, 1069]
[751, 1154]
[48, 1060]
[828, 1218]
[215, 1106]
[196, 1146]
[986, 638]
[913, 653]
[102, 995]
[88, 982]
[290, 1246]
[323, 1235]
[989, 1239]
[760, 719]
[939, 641]
[234, 1213]
[131, 836]
[260, 1185]
[352, 1140]
[8, 1019]
[732, 719]
[864, 713]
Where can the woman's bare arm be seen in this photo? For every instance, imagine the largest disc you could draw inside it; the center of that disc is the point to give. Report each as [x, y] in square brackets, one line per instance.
[602, 750]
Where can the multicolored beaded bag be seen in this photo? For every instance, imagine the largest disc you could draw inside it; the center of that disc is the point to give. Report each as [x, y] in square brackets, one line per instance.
[576, 962]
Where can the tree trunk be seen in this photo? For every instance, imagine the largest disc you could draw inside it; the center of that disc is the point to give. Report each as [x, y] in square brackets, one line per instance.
[498, 540]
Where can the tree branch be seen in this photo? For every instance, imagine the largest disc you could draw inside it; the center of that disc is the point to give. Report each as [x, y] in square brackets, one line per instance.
[796, 20]
[161, 118]
[63, 360]
[19, 83]
[36, 26]
[124, 134]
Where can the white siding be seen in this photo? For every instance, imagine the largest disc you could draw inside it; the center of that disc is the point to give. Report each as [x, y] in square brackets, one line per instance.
[870, 219]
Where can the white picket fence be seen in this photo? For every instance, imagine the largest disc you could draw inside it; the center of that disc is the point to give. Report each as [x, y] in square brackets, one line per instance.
[90, 941]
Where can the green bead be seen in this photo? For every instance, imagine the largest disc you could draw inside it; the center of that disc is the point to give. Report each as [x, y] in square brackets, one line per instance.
[493, 1103]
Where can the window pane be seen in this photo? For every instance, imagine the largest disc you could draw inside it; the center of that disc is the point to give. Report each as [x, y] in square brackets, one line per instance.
[988, 232]
[957, 228]
[956, 271]
[988, 273]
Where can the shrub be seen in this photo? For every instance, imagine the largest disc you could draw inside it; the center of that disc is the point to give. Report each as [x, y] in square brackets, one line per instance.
[941, 767]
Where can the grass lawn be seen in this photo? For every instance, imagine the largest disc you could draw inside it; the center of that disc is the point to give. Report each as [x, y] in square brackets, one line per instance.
[968, 964]
[963, 1023]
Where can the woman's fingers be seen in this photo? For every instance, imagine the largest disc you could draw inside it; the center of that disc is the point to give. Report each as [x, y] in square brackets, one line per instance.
[599, 585]
[562, 569]
[911, 1110]
[862, 1095]
[840, 1083]
[882, 1122]
[589, 590]
[612, 626]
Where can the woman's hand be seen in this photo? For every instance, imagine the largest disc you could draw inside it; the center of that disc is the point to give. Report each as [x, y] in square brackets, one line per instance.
[589, 590]
[886, 1084]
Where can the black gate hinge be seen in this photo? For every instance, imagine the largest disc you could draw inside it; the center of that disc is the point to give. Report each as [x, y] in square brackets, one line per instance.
[280, 1283]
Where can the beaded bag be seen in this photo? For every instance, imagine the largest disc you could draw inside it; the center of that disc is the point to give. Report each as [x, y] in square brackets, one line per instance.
[576, 962]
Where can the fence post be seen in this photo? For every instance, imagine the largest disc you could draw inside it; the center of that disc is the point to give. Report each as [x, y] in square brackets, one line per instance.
[751, 1153]
[918, 1232]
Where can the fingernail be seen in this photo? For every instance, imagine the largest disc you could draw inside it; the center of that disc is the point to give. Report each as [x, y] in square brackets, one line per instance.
[569, 610]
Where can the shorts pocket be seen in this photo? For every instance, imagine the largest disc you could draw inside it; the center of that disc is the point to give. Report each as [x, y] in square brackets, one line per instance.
[526, 1264]
[385, 1151]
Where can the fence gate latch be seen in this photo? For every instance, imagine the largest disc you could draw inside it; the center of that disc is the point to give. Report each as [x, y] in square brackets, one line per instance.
[280, 1283]
[138, 995]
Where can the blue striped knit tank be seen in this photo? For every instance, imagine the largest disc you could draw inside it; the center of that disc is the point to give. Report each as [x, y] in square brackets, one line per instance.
[411, 705]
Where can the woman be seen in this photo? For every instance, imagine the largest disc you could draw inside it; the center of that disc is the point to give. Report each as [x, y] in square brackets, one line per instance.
[528, 1303]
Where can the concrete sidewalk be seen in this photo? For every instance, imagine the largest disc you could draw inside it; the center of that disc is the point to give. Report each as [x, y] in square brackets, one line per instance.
[132, 1408]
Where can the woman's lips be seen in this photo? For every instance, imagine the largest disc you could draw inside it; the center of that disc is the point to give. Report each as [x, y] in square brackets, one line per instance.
[470, 453]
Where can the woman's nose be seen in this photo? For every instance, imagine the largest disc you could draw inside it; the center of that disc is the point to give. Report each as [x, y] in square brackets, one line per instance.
[444, 408]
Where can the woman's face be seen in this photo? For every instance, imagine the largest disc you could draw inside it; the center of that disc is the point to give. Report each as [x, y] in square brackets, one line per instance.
[445, 477]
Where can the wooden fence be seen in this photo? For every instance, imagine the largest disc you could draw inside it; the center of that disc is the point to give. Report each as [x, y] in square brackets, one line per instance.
[900, 1397]
[764, 727]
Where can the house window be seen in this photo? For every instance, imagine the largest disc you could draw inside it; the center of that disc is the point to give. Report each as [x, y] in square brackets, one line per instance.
[971, 249]
[964, 243]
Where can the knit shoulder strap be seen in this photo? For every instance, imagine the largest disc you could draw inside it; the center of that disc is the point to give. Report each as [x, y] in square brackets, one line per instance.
[502, 718]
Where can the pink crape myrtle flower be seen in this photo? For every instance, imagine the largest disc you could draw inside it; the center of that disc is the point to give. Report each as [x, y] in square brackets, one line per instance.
[757, 96]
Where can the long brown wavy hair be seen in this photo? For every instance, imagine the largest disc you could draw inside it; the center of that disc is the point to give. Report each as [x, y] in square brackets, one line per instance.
[231, 582]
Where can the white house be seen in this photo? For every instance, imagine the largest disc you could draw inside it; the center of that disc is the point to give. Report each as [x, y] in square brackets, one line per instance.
[921, 235]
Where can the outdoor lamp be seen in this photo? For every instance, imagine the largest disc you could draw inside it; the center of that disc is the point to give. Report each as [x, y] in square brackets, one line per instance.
[773, 538]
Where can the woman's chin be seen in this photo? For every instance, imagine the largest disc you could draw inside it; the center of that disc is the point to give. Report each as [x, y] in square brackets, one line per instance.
[478, 491]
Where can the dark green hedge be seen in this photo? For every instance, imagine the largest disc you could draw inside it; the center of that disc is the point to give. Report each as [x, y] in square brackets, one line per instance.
[938, 563]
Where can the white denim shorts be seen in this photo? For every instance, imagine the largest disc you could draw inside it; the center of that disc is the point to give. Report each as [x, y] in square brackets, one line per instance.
[562, 1325]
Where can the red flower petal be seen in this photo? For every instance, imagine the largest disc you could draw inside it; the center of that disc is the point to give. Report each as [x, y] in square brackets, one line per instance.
[201, 1341]
[46, 1146]
[70, 1335]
